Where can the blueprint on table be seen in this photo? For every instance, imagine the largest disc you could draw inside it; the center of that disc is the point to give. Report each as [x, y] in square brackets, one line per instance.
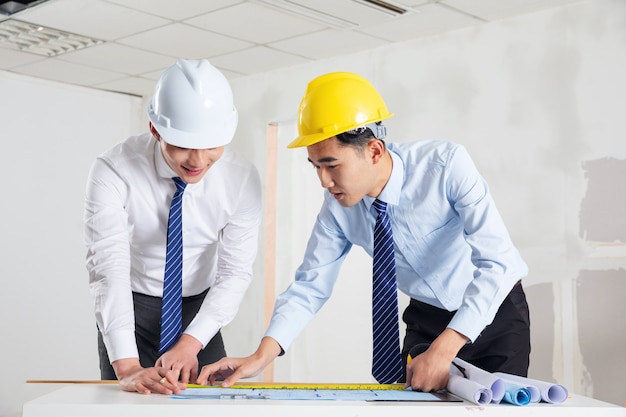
[311, 394]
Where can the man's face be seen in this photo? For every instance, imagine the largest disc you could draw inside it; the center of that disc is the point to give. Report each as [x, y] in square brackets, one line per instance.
[346, 172]
[190, 164]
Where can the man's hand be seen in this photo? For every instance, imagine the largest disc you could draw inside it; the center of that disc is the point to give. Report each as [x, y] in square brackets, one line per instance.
[430, 370]
[134, 378]
[232, 369]
[182, 358]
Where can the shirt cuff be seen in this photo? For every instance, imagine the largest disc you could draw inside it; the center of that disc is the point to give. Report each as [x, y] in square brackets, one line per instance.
[283, 338]
[203, 331]
[121, 344]
[468, 324]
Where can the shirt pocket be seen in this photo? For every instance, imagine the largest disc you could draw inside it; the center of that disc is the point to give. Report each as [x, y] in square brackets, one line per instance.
[445, 238]
[437, 246]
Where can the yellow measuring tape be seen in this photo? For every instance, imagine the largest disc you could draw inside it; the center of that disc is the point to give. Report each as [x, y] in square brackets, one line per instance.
[249, 385]
[307, 386]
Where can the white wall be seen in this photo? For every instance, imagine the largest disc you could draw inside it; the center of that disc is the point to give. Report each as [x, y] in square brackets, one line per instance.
[538, 100]
[50, 135]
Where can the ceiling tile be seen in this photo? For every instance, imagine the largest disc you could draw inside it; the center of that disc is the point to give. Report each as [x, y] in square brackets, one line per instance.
[431, 19]
[94, 18]
[498, 9]
[10, 58]
[254, 23]
[257, 59]
[119, 58]
[153, 75]
[196, 43]
[350, 12]
[328, 43]
[240, 37]
[68, 72]
[231, 75]
[138, 86]
[176, 10]
[416, 3]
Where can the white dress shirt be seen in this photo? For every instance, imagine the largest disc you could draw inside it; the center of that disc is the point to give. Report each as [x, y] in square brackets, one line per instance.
[129, 191]
[452, 248]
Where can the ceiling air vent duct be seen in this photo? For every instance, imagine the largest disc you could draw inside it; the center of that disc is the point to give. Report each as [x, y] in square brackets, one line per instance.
[11, 7]
[310, 13]
[383, 6]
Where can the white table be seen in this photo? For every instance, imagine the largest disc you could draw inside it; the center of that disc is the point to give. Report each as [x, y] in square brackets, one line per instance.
[97, 400]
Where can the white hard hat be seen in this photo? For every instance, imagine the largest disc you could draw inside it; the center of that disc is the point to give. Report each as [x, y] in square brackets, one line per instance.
[192, 106]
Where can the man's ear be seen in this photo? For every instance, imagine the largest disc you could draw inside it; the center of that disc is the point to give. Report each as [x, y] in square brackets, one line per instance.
[376, 150]
[154, 132]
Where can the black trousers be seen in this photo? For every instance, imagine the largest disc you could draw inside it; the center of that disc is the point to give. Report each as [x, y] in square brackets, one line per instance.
[503, 346]
[148, 333]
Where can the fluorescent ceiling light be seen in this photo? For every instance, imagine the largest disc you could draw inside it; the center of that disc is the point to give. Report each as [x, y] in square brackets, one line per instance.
[28, 37]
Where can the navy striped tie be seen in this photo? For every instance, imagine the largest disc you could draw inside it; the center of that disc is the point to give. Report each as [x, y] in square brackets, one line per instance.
[387, 359]
[171, 308]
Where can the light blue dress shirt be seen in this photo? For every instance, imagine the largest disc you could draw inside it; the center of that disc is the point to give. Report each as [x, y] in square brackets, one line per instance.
[452, 248]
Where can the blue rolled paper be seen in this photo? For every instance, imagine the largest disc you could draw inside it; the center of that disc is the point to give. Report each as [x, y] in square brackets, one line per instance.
[516, 394]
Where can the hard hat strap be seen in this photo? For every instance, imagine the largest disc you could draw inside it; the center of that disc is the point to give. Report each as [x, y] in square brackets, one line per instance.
[378, 130]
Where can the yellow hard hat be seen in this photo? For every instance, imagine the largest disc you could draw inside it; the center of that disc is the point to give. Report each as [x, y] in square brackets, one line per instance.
[335, 103]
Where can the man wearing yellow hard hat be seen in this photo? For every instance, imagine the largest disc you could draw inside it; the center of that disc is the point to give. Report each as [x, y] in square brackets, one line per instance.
[425, 214]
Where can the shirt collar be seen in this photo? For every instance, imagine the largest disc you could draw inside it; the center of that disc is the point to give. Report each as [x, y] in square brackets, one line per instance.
[162, 168]
[392, 190]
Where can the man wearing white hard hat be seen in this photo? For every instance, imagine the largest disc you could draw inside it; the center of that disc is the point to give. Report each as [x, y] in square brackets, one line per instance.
[171, 227]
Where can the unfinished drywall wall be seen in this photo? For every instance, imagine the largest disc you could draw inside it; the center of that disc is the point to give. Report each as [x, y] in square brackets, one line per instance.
[602, 332]
[543, 324]
[603, 209]
[600, 307]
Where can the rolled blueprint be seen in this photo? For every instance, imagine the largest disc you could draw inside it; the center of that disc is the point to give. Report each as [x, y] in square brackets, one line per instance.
[467, 389]
[487, 379]
[535, 395]
[516, 394]
[550, 393]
